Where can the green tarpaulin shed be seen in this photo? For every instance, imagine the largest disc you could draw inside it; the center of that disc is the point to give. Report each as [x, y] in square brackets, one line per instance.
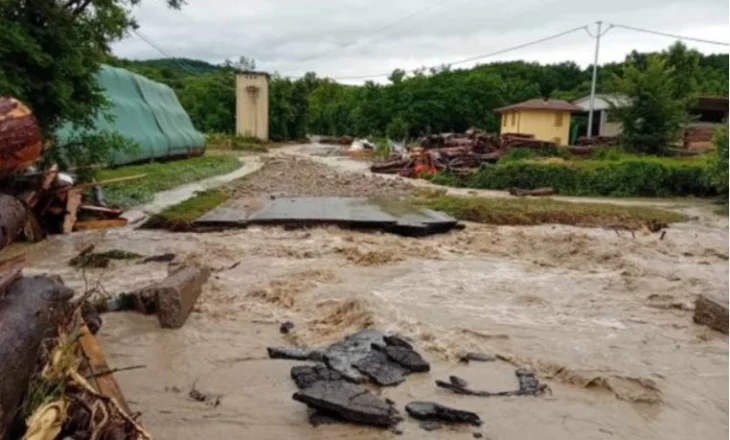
[146, 113]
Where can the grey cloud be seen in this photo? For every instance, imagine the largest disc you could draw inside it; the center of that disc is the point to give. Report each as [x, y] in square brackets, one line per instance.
[295, 36]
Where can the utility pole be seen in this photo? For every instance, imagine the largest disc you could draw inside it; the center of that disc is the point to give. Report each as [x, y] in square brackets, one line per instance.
[593, 82]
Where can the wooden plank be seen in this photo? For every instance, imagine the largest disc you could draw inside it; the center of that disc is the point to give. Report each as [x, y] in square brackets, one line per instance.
[103, 182]
[102, 210]
[106, 384]
[100, 224]
[73, 201]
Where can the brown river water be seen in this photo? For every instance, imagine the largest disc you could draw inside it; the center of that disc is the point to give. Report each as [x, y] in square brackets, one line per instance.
[604, 319]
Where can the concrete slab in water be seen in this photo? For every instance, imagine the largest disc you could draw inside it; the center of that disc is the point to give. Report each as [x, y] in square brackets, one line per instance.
[352, 212]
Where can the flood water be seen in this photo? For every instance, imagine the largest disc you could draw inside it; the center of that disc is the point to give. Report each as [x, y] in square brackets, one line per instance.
[604, 319]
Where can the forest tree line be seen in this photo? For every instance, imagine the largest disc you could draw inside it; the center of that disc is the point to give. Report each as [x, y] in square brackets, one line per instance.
[430, 100]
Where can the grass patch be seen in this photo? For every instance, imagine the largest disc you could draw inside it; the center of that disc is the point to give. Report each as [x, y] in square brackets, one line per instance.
[179, 217]
[540, 211]
[633, 176]
[161, 177]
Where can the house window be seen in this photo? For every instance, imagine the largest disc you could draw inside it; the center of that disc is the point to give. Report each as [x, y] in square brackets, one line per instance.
[558, 119]
[514, 116]
[504, 119]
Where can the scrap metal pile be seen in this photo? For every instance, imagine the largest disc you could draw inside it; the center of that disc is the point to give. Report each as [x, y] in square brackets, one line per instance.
[455, 152]
[37, 201]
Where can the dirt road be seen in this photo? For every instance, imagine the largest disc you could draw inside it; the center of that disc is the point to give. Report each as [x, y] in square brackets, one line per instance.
[605, 320]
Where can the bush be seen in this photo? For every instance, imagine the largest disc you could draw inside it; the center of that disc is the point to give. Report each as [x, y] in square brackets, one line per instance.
[84, 150]
[630, 177]
[520, 154]
[718, 170]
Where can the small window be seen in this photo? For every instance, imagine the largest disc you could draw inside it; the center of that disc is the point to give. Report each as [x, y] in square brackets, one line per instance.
[558, 119]
[514, 116]
[504, 119]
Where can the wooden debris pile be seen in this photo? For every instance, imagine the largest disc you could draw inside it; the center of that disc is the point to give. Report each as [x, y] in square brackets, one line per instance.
[35, 202]
[455, 152]
[55, 381]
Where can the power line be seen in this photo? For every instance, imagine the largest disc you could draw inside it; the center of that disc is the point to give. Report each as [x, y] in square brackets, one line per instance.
[664, 34]
[478, 57]
[166, 55]
[377, 31]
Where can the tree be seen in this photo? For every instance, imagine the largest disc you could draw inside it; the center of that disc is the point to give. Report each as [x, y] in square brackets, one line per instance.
[654, 119]
[718, 171]
[242, 63]
[50, 52]
[397, 129]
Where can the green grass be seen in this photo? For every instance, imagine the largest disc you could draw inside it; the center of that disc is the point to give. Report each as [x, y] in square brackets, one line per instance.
[631, 176]
[541, 211]
[179, 217]
[161, 177]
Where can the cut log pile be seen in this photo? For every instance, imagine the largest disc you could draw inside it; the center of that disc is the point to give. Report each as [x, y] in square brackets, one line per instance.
[34, 202]
[455, 152]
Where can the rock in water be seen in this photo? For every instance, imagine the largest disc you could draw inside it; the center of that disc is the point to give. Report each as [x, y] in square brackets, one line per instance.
[306, 375]
[380, 369]
[437, 412]
[712, 311]
[405, 357]
[294, 353]
[342, 355]
[477, 357]
[348, 401]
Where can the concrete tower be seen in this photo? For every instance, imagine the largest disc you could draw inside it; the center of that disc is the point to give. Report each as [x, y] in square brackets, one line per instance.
[252, 104]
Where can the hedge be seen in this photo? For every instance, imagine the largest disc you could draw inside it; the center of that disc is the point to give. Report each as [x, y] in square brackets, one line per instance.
[636, 177]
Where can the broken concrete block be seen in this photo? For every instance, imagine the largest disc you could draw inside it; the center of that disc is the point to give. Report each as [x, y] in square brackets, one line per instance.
[348, 401]
[436, 412]
[175, 296]
[306, 375]
[380, 369]
[711, 310]
[397, 341]
[294, 353]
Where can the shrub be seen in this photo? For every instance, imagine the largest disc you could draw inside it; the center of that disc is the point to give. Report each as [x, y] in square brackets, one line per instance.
[718, 170]
[633, 176]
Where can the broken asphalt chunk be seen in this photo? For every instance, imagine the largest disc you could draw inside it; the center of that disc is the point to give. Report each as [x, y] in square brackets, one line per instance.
[405, 357]
[348, 401]
[342, 355]
[380, 369]
[294, 353]
[305, 376]
[440, 413]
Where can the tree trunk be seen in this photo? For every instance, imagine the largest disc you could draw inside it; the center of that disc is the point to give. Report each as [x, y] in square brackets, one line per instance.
[12, 219]
[29, 312]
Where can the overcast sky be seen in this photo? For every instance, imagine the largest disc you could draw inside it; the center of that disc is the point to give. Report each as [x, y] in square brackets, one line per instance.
[342, 38]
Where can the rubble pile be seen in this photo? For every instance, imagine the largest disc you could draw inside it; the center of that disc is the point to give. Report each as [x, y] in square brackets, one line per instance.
[455, 152]
[40, 201]
[338, 386]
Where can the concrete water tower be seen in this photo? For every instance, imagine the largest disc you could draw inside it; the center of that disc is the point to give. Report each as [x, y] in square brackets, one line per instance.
[252, 104]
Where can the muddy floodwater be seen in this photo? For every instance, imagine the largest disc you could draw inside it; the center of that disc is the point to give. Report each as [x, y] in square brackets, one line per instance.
[604, 319]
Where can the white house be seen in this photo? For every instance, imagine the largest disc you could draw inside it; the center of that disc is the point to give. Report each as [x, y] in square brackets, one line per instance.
[604, 124]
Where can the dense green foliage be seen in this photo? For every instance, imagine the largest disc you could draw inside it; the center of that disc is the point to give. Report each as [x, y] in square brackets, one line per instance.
[662, 89]
[161, 177]
[718, 172]
[629, 176]
[433, 100]
[50, 52]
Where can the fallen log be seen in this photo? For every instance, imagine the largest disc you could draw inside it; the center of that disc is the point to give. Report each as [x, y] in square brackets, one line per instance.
[20, 137]
[712, 312]
[13, 216]
[519, 192]
[29, 313]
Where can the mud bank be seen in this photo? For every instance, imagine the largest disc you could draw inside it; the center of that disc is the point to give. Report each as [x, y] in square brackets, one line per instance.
[605, 320]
